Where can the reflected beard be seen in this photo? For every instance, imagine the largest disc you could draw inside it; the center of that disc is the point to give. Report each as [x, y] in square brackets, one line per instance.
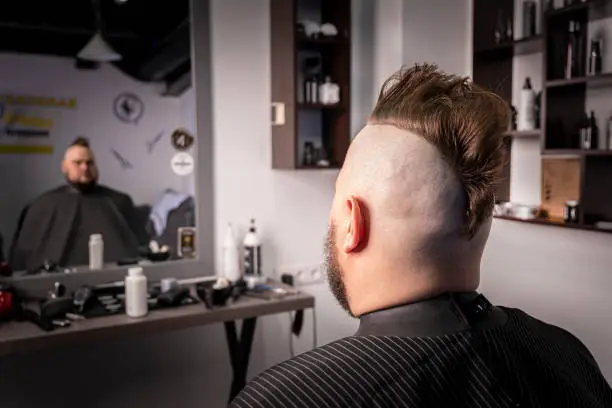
[84, 188]
[335, 278]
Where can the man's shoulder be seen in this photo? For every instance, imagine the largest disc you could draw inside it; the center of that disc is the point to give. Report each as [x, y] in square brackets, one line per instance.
[549, 331]
[112, 192]
[308, 377]
[48, 196]
[343, 373]
[122, 200]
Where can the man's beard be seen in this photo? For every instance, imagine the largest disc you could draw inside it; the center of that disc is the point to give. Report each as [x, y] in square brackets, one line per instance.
[83, 188]
[335, 277]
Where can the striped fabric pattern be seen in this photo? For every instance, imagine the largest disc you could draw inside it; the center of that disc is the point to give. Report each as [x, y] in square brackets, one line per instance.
[523, 363]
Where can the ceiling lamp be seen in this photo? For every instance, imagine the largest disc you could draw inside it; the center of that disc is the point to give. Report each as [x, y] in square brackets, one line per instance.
[98, 50]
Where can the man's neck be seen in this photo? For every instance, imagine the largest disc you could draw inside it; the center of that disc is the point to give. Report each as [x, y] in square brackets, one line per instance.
[445, 314]
[410, 289]
[83, 188]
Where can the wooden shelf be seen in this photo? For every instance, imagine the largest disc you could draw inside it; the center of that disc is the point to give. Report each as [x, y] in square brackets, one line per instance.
[318, 106]
[553, 223]
[315, 167]
[296, 58]
[322, 42]
[593, 81]
[592, 9]
[565, 11]
[576, 153]
[524, 134]
[523, 46]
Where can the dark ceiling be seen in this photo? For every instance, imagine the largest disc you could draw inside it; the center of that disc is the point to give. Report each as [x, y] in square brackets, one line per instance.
[152, 35]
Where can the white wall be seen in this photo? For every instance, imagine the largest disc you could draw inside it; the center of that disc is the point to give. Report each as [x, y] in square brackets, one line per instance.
[436, 31]
[95, 91]
[291, 207]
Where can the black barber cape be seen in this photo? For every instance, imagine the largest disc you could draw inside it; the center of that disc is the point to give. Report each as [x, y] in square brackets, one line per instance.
[450, 351]
[56, 227]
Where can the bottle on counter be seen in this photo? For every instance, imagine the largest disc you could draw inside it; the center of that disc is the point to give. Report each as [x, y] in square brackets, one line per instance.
[231, 256]
[527, 107]
[96, 252]
[252, 252]
[136, 293]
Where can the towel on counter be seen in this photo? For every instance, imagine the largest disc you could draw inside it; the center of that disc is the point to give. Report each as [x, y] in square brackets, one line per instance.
[169, 201]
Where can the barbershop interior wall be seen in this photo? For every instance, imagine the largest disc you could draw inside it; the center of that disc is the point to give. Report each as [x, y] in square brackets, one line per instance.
[558, 275]
[94, 90]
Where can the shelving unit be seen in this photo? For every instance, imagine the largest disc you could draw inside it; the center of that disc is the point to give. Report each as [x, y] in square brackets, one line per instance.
[524, 134]
[298, 55]
[568, 173]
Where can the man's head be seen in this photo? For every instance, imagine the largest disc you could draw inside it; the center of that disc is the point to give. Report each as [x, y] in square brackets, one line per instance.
[79, 164]
[413, 203]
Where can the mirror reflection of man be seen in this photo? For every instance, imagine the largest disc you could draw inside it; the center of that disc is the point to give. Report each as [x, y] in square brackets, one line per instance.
[56, 226]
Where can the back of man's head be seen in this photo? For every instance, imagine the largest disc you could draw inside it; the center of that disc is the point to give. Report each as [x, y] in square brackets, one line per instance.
[415, 196]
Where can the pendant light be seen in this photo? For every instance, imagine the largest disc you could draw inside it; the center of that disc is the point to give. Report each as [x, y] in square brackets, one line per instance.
[97, 49]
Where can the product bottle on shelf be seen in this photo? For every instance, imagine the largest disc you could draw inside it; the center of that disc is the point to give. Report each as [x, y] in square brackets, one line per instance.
[579, 52]
[527, 109]
[595, 62]
[570, 52]
[609, 133]
[329, 92]
[509, 31]
[529, 18]
[594, 130]
[500, 30]
[589, 132]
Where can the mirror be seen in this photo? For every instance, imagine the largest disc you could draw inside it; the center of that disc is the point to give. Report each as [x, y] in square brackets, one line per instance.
[97, 135]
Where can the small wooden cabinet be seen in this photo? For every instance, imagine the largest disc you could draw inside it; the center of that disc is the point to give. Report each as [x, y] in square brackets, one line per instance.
[309, 132]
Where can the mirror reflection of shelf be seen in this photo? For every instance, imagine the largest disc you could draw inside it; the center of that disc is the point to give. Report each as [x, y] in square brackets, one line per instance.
[524, 134]
[604, 79]
[339, 105]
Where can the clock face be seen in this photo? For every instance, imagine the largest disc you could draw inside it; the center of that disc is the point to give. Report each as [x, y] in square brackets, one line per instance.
[128, 108]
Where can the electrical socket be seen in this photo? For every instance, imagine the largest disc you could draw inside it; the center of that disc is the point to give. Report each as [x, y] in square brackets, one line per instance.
[304, 274]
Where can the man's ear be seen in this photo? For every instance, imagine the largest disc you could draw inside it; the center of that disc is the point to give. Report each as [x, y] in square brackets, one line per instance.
[355, 230]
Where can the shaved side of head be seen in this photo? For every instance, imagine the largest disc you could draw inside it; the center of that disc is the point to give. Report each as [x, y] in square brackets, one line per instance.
[414, 199]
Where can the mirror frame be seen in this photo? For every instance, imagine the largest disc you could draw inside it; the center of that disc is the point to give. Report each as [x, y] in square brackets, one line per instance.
[204, 263]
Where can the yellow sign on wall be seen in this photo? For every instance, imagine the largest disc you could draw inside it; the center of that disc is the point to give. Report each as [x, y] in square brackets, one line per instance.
[27, 122]
[32, 100]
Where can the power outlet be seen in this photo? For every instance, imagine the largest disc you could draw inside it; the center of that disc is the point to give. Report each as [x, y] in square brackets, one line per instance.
[304, 274]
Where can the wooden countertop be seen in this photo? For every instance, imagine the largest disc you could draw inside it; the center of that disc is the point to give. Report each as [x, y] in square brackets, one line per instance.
[19, 337]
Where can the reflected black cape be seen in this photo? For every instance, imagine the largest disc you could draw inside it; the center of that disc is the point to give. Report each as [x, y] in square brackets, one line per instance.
[45, 225]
